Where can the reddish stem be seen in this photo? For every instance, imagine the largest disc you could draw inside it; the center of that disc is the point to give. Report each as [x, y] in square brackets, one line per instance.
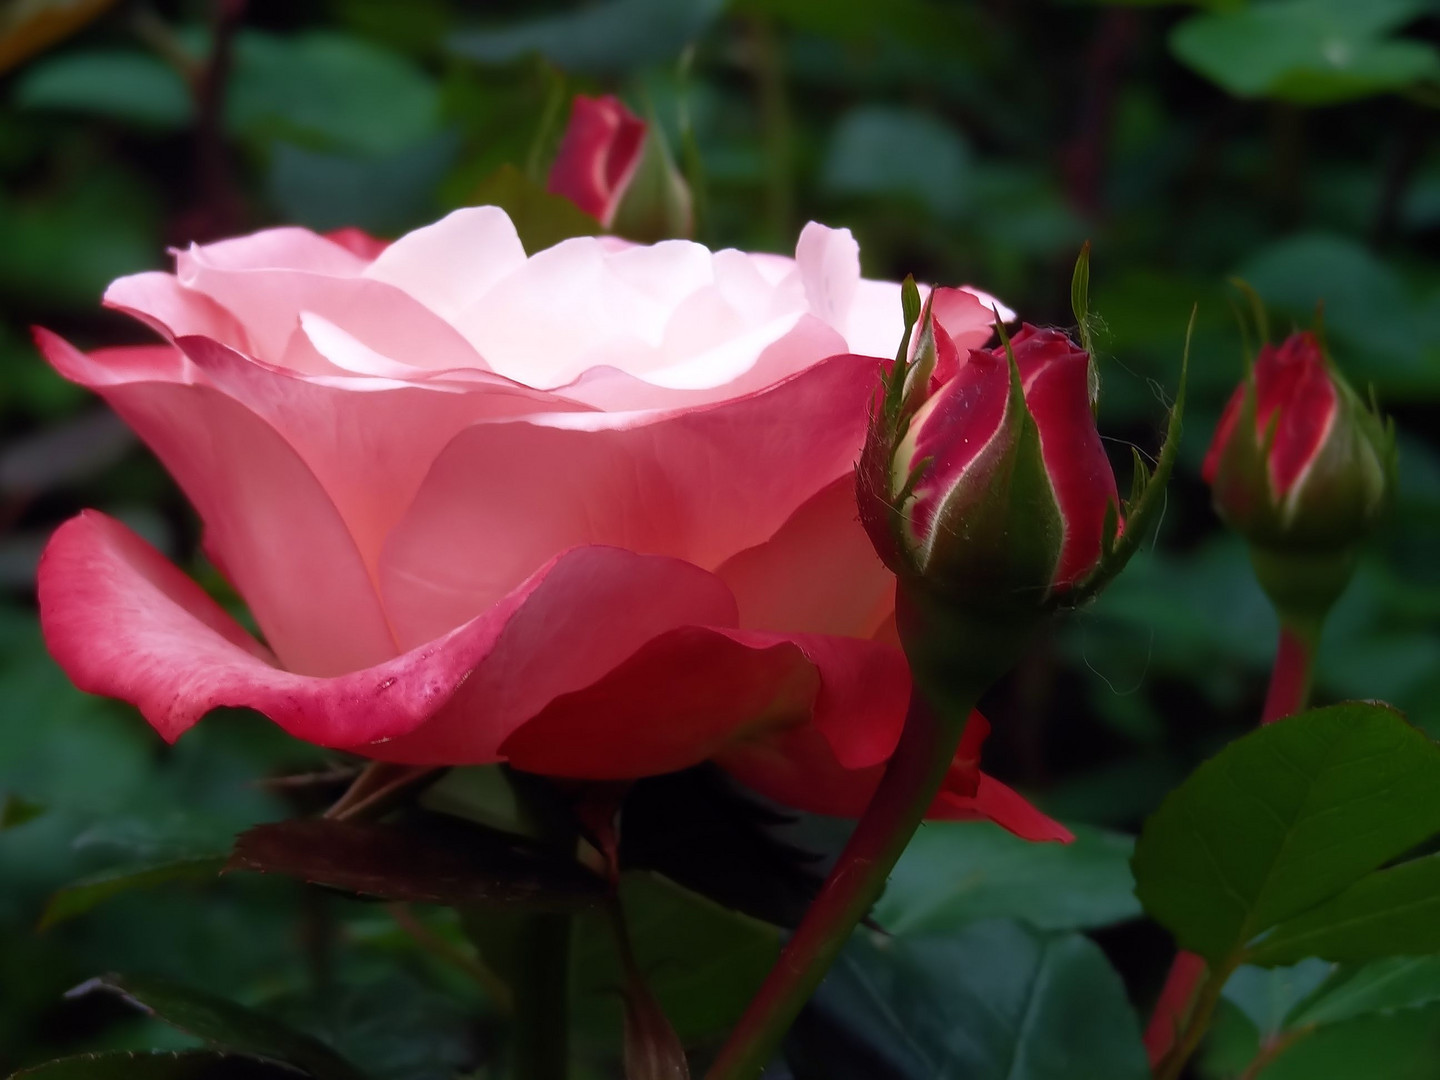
[913, 776]
[1176, 999]
[1288, 693]
[1290, 677]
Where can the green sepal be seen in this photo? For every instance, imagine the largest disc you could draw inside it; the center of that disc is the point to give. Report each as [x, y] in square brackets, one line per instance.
[1085, 322]
[1143, 509]
[918, 371]
[1257, 310]
[895, 383]
[657, 204]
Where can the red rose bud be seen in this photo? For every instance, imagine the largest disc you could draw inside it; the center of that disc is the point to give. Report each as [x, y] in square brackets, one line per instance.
[997, 488]
[598, 155]
[984, 486]
[1302, 469]
[618, 169]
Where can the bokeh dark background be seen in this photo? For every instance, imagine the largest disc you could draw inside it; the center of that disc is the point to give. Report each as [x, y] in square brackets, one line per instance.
[1290, 143]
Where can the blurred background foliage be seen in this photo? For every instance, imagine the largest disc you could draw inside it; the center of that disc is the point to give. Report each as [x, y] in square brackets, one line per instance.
[1286, 142]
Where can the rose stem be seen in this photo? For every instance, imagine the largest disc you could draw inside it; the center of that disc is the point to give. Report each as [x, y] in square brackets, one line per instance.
[1199, 1023]
[912, 778]
[1288, 693]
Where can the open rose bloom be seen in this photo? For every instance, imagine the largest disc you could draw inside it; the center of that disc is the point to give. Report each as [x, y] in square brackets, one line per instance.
[589, 511]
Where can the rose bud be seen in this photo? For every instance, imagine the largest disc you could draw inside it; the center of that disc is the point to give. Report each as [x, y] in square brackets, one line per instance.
[998, 486]
[618, 169]
[986, 489]
[1302, 469]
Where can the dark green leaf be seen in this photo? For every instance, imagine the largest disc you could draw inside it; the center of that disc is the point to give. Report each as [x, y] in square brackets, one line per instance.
[953, 874]
[16, 810]
[1267, 996]
[702, 961]
[610, 36]
[996, 1001]
[383, 193]
[80, 896]
[1379, 987]
[155, 1065]
[130, 86]
[1403, 1046]
[438, 865]
[885, 152]
[329, 91]
[541, 219]
[1393, 912]
[225, 1024]
[1309, 51]
[1283, 819]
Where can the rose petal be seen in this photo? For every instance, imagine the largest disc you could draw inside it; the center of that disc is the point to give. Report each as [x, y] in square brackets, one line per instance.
[169, 308]
[677, 702]
[966, 317]
[698, 484]
[1058, 396]
[370, 443]
[124, 622]
[269, 524]
[818, 574]
[268, 297]
[449, 265]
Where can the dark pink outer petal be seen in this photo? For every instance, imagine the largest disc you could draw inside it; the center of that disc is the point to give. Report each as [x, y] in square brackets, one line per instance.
[1290, 379]
[808, 721]
[953, 430]
[1058, 396]
[598, 155]
[123, 622]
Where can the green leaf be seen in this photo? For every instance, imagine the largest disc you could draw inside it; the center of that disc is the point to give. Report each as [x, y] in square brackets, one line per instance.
[1393, 912]
[702, 962]
[996, 1001]
[130, 86]
[80, 896]
[225, 1024]
[1380, 987]
[16, 810]
[1308, 51]
[384, 193]
[1268, 996]
[541, 219]
[329, 91]
[1283, 819]
[956, 873]
[155, 1065]
[886, 152]
[437, 865]
[599, 38]
[1403, 1046]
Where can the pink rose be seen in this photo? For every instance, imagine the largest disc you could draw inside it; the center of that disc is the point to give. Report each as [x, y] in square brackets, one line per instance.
[598, 156]
[589, 511]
